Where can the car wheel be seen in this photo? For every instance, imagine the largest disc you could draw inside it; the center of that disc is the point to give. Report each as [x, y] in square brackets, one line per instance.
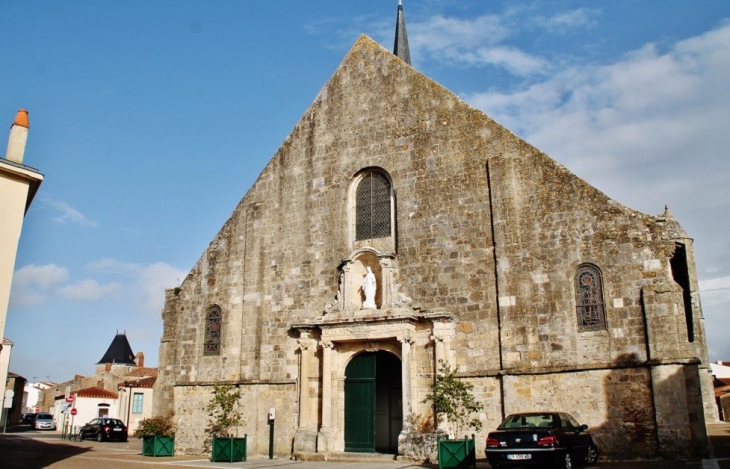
[567, 462]
[100, 436]
[591, 454]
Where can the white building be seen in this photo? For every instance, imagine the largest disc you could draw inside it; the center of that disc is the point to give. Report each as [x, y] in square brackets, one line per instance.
[30, 395]
[18, 185]
[720, 369]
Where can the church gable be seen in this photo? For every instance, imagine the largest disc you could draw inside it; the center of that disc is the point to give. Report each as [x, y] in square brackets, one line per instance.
[398, 224]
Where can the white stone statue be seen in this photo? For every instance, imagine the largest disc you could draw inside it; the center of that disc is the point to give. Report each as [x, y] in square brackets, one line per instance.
[369, 287]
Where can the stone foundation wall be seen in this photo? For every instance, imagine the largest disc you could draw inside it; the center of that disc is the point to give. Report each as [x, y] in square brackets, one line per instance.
[192, 418]
[616, 405]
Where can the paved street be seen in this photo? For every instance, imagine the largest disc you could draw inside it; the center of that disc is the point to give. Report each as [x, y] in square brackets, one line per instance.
[24, 449]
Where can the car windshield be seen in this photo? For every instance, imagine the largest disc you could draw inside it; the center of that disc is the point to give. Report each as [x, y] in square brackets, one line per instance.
[44, 417]
[528, 421]
[113, 422]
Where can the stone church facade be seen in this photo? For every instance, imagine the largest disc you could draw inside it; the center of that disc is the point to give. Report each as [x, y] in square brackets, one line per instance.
[487, 254]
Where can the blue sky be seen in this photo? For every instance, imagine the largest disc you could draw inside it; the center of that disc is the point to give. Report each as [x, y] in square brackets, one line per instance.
[150, 120]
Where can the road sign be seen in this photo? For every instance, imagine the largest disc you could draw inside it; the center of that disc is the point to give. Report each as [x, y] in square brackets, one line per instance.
[74, 411]
[70, 399]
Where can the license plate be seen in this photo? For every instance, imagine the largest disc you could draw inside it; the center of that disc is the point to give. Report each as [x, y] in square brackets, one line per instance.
[519, 456]
[117, 429]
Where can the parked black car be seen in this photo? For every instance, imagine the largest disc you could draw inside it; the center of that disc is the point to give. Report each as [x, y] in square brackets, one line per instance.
[104, 429]
[540, 439]
[29, 417]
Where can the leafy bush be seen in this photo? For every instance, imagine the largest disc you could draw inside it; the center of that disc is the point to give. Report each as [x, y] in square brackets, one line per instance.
[223, 411]
[158, 425]
[453, 398]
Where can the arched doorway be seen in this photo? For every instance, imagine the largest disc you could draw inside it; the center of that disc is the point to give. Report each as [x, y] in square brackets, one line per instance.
[373, 403]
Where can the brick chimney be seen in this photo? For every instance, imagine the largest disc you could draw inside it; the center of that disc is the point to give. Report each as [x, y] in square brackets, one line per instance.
[140, 360]
[18, 137]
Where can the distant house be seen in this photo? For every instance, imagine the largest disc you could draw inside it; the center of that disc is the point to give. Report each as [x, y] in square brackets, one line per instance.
[720, 369]
[31, 392]
[135, 399]
[721, 373]
[120, 386]
[89, 403]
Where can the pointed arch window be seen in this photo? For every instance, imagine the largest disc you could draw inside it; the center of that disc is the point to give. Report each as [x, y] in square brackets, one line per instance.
[372, 207]
[589, 298]
[213, 326]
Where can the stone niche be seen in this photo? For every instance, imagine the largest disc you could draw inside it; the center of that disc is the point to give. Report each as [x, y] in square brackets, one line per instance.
[350, 297]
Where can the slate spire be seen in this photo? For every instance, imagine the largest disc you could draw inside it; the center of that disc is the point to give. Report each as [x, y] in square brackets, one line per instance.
[400, 48]
[119, 352]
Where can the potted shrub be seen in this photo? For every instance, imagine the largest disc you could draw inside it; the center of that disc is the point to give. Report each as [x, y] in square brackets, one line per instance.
[158, 436]
[225, 418]
[453, 400]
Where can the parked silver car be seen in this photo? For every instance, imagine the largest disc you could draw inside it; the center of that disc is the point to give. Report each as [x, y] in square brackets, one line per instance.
[44, 421]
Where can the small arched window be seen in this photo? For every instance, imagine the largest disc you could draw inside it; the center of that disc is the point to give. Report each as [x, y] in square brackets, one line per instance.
[589, 298]
[213, 325]
[372, 207]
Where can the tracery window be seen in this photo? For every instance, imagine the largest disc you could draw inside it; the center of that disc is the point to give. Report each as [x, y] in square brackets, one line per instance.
[589, 298]
[372, 207]
[213, 324]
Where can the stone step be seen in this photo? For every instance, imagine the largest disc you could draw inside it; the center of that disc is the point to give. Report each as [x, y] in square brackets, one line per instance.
[344, 457]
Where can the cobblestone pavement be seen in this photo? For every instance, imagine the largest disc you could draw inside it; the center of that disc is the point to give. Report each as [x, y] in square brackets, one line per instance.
[36, 450]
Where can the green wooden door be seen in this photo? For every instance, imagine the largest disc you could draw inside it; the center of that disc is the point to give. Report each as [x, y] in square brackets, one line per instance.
[360, 404]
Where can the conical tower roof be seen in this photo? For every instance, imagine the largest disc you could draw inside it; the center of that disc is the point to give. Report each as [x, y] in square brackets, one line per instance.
[400, 48]
[119, 352]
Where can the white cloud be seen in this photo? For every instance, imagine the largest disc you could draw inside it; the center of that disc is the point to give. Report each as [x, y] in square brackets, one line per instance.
[33, 283]
[471, 42]
[144, 285]
[113, 265]
[147, 282]
[69, 214]
[154, 280]
[89, 290]
[649, 130]
[566, 21]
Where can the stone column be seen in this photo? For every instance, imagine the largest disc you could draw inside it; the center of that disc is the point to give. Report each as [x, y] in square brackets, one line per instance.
[442, 423]
[306, 349]
[305, 439]
[406, 363]
[325, 432]
[440, 351]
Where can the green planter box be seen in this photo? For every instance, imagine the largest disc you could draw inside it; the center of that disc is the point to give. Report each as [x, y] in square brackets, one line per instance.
[457, 453]
[158, 445]
[228, 449]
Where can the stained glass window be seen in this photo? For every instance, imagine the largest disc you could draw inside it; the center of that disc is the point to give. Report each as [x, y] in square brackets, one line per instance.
[213, 325]
[372, 207]
[589, 298]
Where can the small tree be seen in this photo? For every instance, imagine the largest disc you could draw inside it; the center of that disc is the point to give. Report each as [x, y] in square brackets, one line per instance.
[157, 425]
[223, 411]
[453, 398]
